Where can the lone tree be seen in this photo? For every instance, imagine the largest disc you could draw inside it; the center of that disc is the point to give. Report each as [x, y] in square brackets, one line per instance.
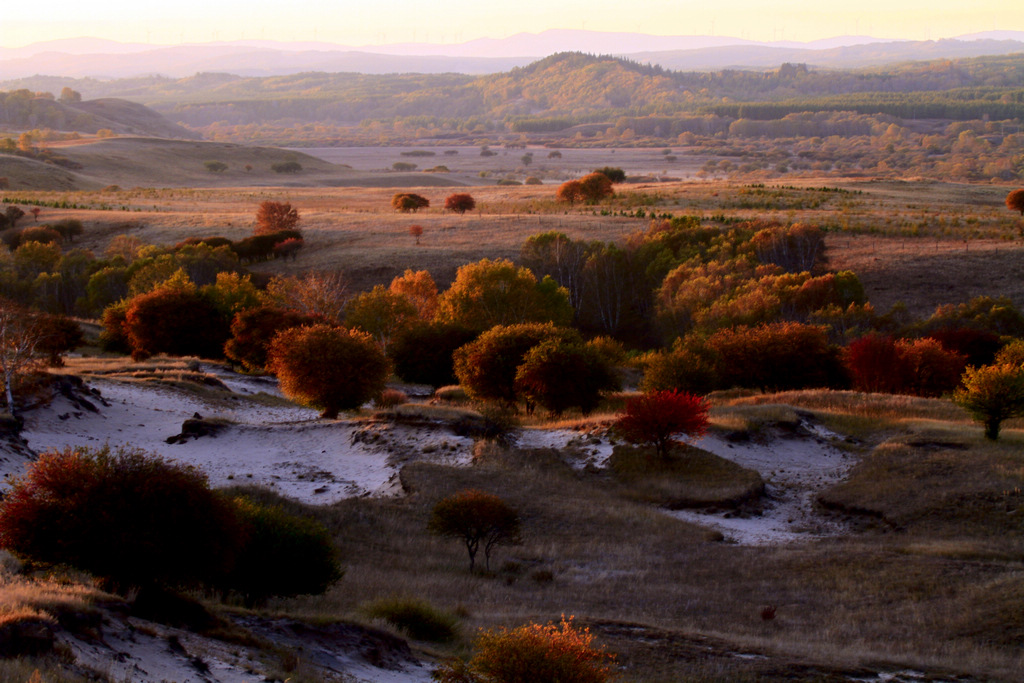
[416, 231]
[596, 186]
[406, 202]
[1015, 201]
[460, 203]
[616, 175]
[655, 418]
[274, 217]
[215, 166]
[328, 367]
[479, 519]
[991, 394]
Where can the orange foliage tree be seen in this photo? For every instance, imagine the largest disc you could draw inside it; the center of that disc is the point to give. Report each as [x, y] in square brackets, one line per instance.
[406, 202]
[275, 217]
[416, 231]
[1015, 201]
[657, 417]
[570, 192]
[776, 357]
[596, 186]
[328, 367]
[460, 203]
[478, 519]
[420, 289]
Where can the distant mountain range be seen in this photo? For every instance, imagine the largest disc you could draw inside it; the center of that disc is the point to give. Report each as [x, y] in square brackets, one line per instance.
[106, 59]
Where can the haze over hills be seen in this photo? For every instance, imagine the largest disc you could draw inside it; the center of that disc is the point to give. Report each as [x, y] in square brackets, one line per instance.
[104, 59]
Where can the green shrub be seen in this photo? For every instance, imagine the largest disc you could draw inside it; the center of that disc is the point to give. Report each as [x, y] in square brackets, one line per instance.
[282, 554]
[419, 619]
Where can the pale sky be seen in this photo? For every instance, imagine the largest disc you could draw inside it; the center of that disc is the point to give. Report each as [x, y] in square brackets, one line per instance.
[361, 22]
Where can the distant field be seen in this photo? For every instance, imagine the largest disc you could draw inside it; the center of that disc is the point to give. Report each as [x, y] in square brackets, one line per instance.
[919, 242]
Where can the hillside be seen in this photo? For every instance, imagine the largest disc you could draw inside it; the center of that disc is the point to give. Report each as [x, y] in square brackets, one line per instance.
[154, 162]
[23, 109]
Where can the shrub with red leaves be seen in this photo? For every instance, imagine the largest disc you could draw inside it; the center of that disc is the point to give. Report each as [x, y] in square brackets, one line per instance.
[655, 418]
[128, 517]
[460, 202]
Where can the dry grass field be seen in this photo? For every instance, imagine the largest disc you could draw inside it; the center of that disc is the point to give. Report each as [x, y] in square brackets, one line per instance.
[920, 243]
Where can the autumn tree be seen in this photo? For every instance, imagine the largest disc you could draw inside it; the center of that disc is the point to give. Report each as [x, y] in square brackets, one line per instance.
[555, 653]
[489, 293]
[460, 203]
[420, 289]
[775, 357]
[487, 367]
[478, 519]
[570, 192]
[423, 352]
[217, 167]
[381, 313]
[416, 231]
[275, 217]
[595, 187]
[175, 320]
[992, 394]
[656, 418]
[1015, 201]
[253, 329]
[328, 368]
[558, 375]
[406, 202]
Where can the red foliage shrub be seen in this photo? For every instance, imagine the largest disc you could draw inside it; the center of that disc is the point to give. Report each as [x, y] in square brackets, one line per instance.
[327, 367]
[460, 202]
[390, 398]
[655, 418]
[874, 364]
[252, 331]
[175, 321]
[921, 367]
[776, 357]
[979, 346]
[128, 517]
[570, 191]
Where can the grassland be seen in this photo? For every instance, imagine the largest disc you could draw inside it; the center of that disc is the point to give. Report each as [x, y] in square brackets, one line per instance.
[922, 243]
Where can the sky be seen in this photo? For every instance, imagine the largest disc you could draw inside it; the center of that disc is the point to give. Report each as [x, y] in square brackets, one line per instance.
[368, 22]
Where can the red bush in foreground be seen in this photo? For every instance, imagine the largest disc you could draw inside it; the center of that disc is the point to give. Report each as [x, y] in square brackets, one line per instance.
[655, 418]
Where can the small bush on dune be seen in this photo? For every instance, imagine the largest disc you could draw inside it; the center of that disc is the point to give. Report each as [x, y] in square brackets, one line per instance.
[417, 618]
[539, 654]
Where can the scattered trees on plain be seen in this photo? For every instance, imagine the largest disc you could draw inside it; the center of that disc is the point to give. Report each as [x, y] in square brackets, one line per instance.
[480, 520]
[655, 419]
[327, 367]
